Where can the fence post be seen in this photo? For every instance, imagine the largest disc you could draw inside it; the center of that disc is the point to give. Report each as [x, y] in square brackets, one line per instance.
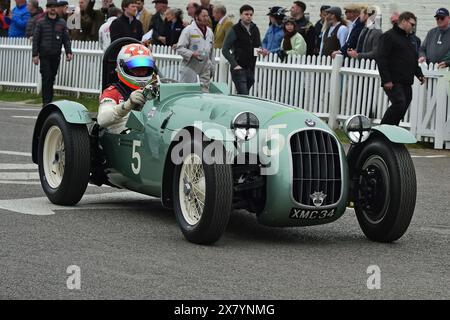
[335, 90]
[223, 69]
[441, 109]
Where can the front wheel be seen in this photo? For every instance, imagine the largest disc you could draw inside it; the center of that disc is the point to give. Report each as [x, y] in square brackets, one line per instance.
[385, 190]
[203, 196]
[64, 160]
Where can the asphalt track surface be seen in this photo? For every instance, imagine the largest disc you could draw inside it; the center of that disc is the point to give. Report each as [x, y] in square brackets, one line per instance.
[128, 247]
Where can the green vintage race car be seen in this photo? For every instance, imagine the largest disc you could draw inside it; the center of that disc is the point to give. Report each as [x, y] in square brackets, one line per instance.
[206, 154]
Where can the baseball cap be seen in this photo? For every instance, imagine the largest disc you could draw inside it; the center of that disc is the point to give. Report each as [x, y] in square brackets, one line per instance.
[51, 3]
[442, 12]
[335, 10]
[160, 1]
[62, 3]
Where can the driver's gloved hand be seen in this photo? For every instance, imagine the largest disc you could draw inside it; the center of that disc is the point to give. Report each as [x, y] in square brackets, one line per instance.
[135, 102]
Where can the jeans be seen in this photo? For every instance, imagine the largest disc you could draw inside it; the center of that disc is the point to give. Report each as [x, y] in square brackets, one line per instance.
[400, 97]
[243, 79]
[49, 69]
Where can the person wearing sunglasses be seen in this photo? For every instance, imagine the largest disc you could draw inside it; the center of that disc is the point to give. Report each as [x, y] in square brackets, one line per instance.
[437, 42]
[397, 65]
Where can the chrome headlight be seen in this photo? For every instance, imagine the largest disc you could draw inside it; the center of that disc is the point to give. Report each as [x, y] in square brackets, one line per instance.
[245, 126]
[357, 128]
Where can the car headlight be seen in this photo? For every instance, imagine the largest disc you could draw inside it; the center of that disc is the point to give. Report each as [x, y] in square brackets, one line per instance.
[357, 128]
[245, 126]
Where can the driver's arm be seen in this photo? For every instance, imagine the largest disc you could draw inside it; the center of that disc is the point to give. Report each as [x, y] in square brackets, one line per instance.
[114, 115]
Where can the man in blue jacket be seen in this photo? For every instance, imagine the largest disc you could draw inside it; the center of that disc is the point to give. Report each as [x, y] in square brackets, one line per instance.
[275, 34]
[355, 27]
[18, 20]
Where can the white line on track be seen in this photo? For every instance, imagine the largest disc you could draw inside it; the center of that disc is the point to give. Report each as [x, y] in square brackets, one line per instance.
[20, 109]
[18, 182]
[24, 117]
[43, 207]
[431, 157]
[15, 153]
[18, 166]
[19, 175]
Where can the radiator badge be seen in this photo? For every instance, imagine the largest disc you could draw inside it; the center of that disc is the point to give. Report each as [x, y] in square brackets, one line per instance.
[310, 123]
[318, 198]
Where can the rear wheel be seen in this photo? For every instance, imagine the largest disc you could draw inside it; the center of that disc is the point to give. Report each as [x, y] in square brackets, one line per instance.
[385, 194]
[203, 196]
[64, 160]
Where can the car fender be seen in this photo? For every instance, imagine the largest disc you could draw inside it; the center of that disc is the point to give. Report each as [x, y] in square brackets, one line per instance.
[73, 112]
[395, 134]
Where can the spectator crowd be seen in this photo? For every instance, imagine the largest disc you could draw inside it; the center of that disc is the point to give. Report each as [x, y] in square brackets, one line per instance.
[352, 31]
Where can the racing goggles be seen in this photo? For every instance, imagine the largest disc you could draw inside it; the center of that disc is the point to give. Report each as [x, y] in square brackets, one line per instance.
[140, 62]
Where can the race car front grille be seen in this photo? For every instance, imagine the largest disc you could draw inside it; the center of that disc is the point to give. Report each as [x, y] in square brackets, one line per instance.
[316, 167]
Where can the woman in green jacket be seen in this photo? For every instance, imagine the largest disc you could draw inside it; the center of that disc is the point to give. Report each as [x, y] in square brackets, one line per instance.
[293, 42]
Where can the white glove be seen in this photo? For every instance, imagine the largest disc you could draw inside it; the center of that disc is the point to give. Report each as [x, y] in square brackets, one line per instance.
[135, 101]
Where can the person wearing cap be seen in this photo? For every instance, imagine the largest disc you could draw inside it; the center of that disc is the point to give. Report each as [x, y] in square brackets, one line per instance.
[336, 33]
[36, 12]
[304, 26]
[50, 34]
[196, 46]
[293, 42]
[366, 48]
[127, 25]
[63, 5]
[355, 26]
[241, 48]
[144, 16]
[318, 28]
[397, 65]
[158, 21]
[437, 42]
[274, 35]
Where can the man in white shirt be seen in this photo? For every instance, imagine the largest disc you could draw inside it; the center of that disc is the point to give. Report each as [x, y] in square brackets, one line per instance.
[104, 35]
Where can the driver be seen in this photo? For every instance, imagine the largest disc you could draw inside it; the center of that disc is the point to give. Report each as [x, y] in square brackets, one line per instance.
[135, 69]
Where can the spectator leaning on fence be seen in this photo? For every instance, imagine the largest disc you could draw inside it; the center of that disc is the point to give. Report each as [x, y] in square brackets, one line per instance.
[196, 46]
[274, 35]
[158, 21]
[437, 42]
[335, 35]
[18, 19]
[241, 47]
[143, 15]
[50, 34]
[36, 12]
[366, 47]
[224, 24]
[318, 29]
[293, 42]
[304, 26]
[173, 27]
[127, 25]
[397, 65]
[104, 33]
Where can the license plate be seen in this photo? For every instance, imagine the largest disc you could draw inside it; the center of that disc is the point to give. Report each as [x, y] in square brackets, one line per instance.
[303, 214]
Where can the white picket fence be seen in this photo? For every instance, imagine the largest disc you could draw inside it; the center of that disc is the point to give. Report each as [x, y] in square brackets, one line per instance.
[332, 89]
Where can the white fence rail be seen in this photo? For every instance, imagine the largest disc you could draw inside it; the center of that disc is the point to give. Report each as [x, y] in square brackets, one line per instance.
[332, 89]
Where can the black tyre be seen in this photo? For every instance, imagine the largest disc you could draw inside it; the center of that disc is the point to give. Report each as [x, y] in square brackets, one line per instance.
[203, 196]
[64, 160]
[385, 194]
